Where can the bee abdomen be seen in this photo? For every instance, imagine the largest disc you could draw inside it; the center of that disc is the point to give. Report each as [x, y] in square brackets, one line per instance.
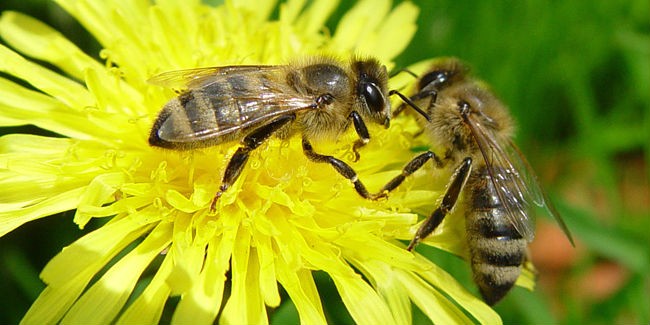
[497, 249]
[497, 253]
[192, 119]
[494, 282]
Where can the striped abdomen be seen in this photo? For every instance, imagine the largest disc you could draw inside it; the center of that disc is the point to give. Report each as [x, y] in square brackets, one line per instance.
[212, 114]
[497, 250]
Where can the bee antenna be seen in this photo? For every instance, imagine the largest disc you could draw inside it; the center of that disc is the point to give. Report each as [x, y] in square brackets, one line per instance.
[410, 103]
[413, 74]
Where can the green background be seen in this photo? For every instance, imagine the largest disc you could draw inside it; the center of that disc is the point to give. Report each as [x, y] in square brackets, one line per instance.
[576, 76]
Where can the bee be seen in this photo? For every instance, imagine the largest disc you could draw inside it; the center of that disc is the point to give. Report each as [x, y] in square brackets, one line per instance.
[464, 118]
[318, 98]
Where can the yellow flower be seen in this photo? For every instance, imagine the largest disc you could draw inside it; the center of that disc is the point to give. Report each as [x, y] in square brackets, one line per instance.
[283, 220]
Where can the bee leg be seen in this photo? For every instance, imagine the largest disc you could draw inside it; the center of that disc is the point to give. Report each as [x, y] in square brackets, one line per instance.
[410, 168]
[405, 70]
[409, 102]
[433, 94]
[362, 132]
[341, 167]
[448, 201]
[248, 144]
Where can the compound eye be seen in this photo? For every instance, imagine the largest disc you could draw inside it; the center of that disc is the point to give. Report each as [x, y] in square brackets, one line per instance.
[373, 96]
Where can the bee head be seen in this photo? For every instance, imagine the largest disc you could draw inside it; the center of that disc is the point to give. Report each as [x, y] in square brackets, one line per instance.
[442, 74]
[372, 90]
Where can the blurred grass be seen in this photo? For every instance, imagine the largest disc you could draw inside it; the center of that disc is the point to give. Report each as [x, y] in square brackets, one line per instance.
[576, 76]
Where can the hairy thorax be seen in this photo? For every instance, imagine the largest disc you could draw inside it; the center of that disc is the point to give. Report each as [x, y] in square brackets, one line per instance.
[332, 89]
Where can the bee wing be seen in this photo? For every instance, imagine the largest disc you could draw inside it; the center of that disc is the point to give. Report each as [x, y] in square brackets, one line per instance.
[259, 109]
[538, 194]
[239, 97]
[201, 77]
[513, 179]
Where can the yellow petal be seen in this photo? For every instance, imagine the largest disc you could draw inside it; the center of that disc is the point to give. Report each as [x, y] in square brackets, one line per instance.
[180, 202]
[262, 9]
[111, 23]
[37, 40]
[112, 94]
[432, 303]
[68, 274]
[21, 106]
[187, 254]
[314, 17]
[245, 305]
[103, 301]
[358, 23]
[445, 282]
[527, 277]
[65, 90]
[94, 249]
[368, 247]
[10, 220]
[148, 307]
[388, 285]
[170, 37]
[54, 301]
[201, 303]
[268, 280]
[394, 33]
[291, 9]
[362, 301]
[302, 290]
[99, 192]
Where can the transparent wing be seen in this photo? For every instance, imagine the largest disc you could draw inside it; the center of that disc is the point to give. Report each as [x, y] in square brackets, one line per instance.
[201, 77]
[227, 99]
[258, 111]
[538, 194]
[513, 179]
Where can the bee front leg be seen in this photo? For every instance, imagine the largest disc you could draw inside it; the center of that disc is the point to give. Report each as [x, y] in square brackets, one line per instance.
[448, 201]
[342, 168]
[410, 168]
[362, 132]
[248, 144]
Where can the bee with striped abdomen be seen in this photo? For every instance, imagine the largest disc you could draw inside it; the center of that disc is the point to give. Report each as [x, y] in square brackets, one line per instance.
[463, 117]
[317, 98]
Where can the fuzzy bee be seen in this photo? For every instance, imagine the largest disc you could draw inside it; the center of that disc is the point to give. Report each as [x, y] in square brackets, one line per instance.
[317, 98]
[463, 117]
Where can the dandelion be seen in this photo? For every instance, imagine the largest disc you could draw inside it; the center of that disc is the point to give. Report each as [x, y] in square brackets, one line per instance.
[282, 221]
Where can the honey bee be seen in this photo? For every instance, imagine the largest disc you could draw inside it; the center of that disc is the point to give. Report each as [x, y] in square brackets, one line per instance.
[317, 98]
[501, 191]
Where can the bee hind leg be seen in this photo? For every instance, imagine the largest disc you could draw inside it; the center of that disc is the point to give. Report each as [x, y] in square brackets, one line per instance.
[248, 144]
[448, 201]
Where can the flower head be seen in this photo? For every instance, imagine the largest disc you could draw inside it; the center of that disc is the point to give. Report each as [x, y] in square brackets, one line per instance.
[285, 217]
